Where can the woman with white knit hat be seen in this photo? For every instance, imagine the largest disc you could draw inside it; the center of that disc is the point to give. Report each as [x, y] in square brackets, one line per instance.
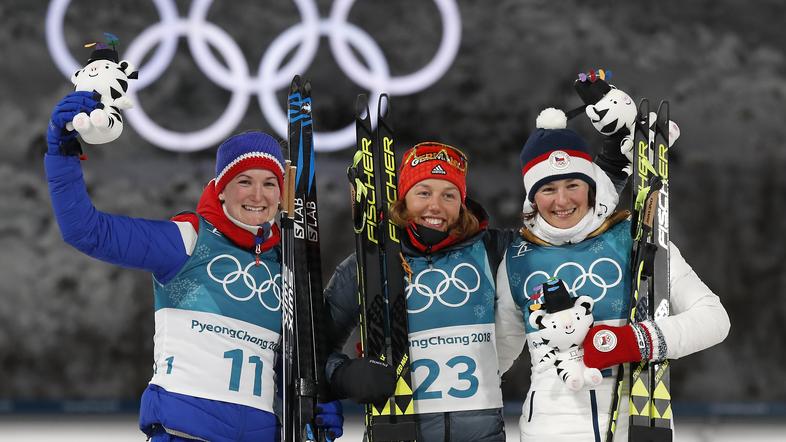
[572, 232]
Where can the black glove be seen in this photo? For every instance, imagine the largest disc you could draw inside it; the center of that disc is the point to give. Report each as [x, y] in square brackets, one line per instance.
[367, 381]
[59, 140]
[610, 159]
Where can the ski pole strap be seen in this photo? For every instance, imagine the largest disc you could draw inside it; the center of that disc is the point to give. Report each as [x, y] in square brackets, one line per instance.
[648, 261]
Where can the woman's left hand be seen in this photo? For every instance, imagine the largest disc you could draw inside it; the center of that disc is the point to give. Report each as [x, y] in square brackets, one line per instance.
[330, 418]
[606, 346]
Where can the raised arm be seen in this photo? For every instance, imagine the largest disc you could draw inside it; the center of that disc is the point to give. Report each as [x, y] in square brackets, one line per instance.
[152, 245]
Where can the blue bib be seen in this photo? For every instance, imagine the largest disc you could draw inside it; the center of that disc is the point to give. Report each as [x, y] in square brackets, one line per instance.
[450, 309]
[456, 288]
[598, 267]
[223, 279]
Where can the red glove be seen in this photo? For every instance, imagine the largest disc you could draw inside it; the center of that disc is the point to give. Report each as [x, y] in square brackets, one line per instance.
[606, 346]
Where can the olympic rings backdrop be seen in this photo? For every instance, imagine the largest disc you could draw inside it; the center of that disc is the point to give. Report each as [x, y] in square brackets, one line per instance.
[271, 76]
[473, 74]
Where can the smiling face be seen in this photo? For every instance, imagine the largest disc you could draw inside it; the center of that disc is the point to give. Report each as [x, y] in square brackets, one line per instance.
[563, 203]
[99, 76]
[434, 203]
[565, 328]
[252, 196]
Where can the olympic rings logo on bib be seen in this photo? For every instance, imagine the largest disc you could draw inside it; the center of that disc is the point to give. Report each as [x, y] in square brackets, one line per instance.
[271, 77]
[443, 286]
[576, 286]
[268, 285]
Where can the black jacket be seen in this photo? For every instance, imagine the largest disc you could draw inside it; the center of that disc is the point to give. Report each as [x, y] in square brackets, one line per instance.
[344, 312]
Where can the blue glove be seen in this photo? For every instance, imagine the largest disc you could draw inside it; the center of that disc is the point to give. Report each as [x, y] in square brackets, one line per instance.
[330, 418]
[59, 140]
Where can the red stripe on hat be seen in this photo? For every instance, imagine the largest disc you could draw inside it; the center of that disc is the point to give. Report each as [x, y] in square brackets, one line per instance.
[251, 162]
[541, 158]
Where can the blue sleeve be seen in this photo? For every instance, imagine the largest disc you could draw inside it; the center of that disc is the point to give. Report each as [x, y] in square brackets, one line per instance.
[152, 245]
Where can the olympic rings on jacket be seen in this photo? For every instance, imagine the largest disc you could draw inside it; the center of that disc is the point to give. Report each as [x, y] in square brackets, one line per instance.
[443, 286]
[577, 284]
[266, 286]
[271, 77]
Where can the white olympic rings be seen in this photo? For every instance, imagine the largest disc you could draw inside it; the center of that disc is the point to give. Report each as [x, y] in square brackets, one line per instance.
[442, 287]
[236, 78]
[268, 285]
[580, 281]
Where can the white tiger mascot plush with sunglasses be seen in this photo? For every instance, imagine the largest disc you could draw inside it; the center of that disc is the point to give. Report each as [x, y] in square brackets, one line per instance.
[109, 78]
[562, 322]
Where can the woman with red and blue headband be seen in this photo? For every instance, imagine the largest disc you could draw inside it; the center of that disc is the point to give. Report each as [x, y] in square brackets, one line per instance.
[216, 283]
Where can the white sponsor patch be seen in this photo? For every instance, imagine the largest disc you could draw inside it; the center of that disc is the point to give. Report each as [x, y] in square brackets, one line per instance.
[559, 160]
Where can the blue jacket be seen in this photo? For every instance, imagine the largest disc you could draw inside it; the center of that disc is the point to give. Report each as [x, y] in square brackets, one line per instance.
[155, 246]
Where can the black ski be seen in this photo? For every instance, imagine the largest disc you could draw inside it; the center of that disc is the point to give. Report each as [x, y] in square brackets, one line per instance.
[288, 341]
[383, 327]
[401, 407]
[650, 273]
[641, 226]
[307, 353]
[661, 394]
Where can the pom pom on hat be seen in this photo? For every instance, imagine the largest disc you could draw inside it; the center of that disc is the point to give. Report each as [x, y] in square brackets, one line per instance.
[248, 150]
[551, 118]
[553, 152]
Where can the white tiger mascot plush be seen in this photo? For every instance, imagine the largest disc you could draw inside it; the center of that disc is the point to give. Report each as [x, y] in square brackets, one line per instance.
[105, 75]
[612, 111]
[563, 322]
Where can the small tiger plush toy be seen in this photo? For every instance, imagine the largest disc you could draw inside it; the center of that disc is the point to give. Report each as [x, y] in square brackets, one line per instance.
[109, 77]
[563, 322]
[612, 111]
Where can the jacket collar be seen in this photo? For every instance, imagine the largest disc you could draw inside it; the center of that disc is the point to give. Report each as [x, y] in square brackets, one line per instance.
[414, 246]
[212, 210]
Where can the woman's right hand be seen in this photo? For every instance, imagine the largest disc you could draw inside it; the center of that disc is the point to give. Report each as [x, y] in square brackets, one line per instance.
[59, 140]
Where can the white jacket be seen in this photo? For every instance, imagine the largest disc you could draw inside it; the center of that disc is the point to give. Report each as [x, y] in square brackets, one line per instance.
[553, 413]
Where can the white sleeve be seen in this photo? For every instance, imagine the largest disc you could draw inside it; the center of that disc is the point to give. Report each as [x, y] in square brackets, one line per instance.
[509, 322]
[698, 319]
[188, 234]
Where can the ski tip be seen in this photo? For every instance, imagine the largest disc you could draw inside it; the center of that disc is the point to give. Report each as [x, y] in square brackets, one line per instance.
[644, 111]
[295, 85]
[361, 106]
[383, 106]
[663, 107]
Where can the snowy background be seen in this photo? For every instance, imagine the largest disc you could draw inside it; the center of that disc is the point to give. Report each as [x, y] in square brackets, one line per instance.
[76, 334]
